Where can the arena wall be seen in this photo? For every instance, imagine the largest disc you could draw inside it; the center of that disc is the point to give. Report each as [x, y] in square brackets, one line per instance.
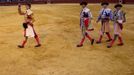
[13, 2]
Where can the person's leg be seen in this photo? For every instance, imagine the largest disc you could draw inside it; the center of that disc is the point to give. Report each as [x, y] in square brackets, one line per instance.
[81, 42]
[100, 38]
[37, 40]
[116, 35]
[109, 36]
[83, 37]
[120, 38]
[23, 43]
[36, 36]
[101, 33]
[120, 41]
[112, 42]
[88, 36]
[107, 31]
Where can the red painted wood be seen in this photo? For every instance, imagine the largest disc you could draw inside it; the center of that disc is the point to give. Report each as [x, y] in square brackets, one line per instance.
[68, 1]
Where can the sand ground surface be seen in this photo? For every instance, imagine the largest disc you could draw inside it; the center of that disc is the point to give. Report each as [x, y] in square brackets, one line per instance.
[59, 31]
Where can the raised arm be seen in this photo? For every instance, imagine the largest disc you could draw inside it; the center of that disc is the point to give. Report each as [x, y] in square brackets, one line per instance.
[19, 10]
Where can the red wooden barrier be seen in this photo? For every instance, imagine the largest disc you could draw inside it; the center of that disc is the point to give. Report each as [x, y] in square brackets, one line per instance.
[65, 1]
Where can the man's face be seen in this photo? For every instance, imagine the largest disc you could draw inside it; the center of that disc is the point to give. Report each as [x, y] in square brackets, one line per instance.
[27, 7]
[83, 6]
[118, 8]
[105, 6]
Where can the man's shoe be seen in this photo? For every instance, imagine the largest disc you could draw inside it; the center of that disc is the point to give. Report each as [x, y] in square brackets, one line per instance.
[79, 45]
[38, 45]
[109, 46]
[98, 42]
[121, 44]
[109, 40]
[92, 42]
[20, 46]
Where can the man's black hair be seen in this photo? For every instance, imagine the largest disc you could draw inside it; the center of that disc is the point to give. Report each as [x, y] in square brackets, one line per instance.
[83, 3]
[104, 3]
[28, 4]
[118, 5]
